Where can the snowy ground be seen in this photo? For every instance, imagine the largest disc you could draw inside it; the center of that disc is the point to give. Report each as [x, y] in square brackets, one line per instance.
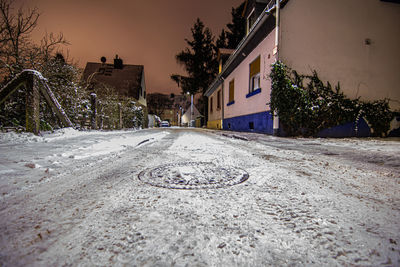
[74, 199]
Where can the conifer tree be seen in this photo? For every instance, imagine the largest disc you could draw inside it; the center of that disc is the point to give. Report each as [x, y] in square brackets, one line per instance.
[199, 61]
[222, 41]
[237, 27]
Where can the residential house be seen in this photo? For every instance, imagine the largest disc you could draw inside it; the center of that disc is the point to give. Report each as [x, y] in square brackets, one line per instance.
[187, 117]
[215, 108]
[215, 95]
[127, 80]
[179, 104]
[174, 113]
[169, 115]
[354, 42]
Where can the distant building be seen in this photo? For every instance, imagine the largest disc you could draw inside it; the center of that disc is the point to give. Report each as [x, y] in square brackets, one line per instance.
[128, 80]
[179, 112]
[187, 117]
[170, 115]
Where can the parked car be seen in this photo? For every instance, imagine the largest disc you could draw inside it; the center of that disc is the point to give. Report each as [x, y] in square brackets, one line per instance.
[164, 124]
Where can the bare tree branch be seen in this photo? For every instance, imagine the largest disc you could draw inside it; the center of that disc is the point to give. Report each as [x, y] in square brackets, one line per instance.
[15, 30]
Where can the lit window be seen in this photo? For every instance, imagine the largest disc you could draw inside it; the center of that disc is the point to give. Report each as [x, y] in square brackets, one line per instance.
[255, 75]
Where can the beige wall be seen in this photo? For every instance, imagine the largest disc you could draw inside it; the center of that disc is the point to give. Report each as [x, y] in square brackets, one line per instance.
[329, 36]
[216, 114]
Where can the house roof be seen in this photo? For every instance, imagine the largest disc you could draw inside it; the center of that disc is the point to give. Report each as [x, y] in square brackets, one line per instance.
[259, 5]
[264, 24]
[224, 53]
[196, 112]
[127, 81]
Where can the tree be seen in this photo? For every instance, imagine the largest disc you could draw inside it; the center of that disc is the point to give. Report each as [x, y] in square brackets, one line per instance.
[200, 62]
[222, 41]
[236, 28]
[15, 30]
[63, 78]
[17, 52]
[157, 103]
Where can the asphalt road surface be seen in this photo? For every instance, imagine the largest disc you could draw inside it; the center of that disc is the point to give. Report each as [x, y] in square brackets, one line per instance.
[186, 197]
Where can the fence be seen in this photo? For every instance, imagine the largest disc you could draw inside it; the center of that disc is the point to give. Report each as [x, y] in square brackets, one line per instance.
[99, 114]
[35, 85]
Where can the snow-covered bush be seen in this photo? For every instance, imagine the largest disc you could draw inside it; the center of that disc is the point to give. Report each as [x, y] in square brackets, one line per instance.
[12, 111]
[306, 105]
[63, 80]
[132, 115]
[110, 106]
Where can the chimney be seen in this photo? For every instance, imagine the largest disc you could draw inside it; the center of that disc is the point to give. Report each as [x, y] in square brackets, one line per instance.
[103, 60]
[118, 63]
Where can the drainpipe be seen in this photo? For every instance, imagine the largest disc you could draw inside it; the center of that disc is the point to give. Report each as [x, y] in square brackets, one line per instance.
[276, 52]
[277, 26]
[223, 104]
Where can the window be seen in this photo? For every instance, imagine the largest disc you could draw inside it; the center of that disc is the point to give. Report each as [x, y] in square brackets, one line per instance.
[231, 92]
[251, 19]
[254, 75]
[211, 105]
[251, 125]
[219, 100]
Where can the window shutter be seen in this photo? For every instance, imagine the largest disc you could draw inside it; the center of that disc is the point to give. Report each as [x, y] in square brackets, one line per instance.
[231, 90]
[255, 67]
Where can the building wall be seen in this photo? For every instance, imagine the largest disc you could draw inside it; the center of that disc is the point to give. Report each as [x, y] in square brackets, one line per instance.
[261, 122]
[216, 113]
[142, 93]
[186, 117]
[170, 115]
[332, 38]
[215, 124]
[257, 103]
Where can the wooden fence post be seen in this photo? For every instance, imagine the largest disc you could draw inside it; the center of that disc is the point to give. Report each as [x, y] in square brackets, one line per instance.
[32, 80]
[120, 124]
[32, 105]
[101, 116]
[93, 118]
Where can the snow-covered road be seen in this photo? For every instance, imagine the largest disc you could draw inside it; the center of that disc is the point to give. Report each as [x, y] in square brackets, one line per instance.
[75, 199]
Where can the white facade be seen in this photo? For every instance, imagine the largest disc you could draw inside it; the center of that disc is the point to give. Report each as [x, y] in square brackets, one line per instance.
[186, 116]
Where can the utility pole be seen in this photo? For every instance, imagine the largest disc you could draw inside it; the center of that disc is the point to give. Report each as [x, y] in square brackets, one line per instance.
[191, 109]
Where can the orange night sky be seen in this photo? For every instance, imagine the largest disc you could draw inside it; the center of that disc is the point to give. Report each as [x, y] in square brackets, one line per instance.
[145, 32]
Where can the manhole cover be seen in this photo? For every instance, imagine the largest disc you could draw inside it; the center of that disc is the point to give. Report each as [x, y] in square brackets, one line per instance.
[193, 175]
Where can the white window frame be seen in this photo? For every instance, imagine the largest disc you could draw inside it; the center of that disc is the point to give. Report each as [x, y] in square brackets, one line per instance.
[255, 82]
[248, 27]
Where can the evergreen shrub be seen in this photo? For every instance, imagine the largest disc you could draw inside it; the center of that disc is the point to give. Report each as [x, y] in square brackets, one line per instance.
[306, 105]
